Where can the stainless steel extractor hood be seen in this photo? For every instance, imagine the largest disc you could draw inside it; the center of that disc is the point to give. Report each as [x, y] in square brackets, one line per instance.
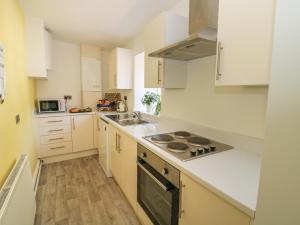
[202, 42]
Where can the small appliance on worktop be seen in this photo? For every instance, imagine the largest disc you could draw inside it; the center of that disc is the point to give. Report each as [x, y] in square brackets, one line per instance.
[187, 146]
[50, 105]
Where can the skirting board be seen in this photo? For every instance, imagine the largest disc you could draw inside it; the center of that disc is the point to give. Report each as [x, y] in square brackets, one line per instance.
[69, 156]
[36, 174]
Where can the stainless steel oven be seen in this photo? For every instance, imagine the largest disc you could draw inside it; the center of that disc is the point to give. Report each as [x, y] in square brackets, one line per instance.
[157, 187]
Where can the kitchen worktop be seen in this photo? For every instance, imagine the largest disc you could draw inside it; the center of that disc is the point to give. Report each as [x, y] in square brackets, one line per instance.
[233, 175]
[41, 115]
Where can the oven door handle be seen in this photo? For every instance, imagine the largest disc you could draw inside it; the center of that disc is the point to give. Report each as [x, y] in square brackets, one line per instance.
[153, 177]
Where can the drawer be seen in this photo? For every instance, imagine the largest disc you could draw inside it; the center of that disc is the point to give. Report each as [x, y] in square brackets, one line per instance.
[55, 149]
[56, 120]
[55, 130]
[55, 138]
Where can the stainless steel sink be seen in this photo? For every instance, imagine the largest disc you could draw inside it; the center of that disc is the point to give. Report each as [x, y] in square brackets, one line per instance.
[127, 119]
[132, 122]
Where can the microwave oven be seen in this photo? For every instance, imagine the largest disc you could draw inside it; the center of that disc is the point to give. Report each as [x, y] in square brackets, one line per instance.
[51, 105]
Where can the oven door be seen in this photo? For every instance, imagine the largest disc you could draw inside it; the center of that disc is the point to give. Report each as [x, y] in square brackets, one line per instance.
[157, 196]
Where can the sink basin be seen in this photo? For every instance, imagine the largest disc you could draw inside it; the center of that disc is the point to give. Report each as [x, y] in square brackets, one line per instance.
[126, 119]
[132, 122]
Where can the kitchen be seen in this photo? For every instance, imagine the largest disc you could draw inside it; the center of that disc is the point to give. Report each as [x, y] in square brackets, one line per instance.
[202, 94]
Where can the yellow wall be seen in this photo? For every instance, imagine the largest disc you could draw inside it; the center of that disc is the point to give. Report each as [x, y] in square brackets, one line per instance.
[15, 139]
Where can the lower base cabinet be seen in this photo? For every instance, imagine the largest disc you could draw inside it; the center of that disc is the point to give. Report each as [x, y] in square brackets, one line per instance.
[82, 132]
[201, 207]
[123, 163]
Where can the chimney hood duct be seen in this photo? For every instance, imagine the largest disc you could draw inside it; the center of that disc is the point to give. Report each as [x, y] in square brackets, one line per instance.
[202, 42]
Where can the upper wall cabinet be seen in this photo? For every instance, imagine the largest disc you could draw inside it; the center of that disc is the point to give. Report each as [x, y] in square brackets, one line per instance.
[91, 74]
[244, 42]
[165, 29]
[120, 69]
[38, 48]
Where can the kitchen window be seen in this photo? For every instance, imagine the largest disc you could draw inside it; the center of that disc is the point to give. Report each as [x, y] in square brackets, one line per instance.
[139, 90]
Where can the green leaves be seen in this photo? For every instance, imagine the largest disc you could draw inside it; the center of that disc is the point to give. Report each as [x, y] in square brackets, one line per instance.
[150, 97]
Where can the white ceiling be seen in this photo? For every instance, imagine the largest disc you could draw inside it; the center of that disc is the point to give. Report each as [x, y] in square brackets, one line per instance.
[106, 23]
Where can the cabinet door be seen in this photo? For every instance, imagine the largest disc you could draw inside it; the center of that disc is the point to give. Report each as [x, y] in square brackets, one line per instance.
[35, 47]
[128, 151]
[116, 160]
[82, 132]
[48, 50]
[245, 42]
[112, 81]
[202, 207]
[96, 131]
[153, 72]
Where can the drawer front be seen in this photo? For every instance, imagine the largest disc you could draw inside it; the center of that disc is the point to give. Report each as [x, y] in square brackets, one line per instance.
[55, 138]
[55, 149]
[54, 121]
[55, 130]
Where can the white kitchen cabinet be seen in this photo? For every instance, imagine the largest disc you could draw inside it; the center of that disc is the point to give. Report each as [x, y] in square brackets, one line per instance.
[165, 29]
[199, 206]
[82, 132]
[38, 47]
[48, 50]
[54, 135]
[123, 163]
[120, 69]
[96, 120]
[103, 149]
[244, 42]
[91, 74]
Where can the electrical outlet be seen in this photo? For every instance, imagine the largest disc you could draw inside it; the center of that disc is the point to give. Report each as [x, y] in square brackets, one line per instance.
[18, 119]
[68, 97]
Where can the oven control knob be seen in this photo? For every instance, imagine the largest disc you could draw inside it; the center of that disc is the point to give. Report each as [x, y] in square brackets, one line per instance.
[193, 152]
[206, 149]
[165, 171]
[213, 148]
[143, 155]
[200, 151]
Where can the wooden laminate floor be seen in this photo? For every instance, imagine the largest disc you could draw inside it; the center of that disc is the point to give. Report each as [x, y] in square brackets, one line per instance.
[77, 192]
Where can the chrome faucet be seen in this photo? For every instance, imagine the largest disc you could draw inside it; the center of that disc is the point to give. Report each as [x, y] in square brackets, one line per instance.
[138, 114]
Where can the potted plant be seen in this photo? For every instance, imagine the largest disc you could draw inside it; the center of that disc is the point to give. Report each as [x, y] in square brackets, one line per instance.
[149, 99]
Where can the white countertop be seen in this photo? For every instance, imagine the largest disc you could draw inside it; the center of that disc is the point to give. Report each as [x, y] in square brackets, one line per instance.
[41, 115]
[232, 175]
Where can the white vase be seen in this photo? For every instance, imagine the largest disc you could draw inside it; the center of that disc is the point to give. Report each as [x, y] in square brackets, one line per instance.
[149, 108]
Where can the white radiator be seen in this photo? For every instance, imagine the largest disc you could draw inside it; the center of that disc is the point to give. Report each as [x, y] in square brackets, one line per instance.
[17, 199]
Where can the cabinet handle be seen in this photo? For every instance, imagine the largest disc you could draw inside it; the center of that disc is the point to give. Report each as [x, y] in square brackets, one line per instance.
[54, 121]
[116, 142]
[73, 120]
[220, 48]
[118, 137]
[59, 147]
[181, 210]
[158, 71]
[55, 130]
[54, 139]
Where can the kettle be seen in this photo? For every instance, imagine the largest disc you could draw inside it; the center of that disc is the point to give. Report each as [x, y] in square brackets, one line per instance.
[121, 106]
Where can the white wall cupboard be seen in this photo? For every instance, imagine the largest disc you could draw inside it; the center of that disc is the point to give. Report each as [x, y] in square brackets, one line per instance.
[82, 132]
[38, 47]
[200, 206]
[244, 42]
[91, 74]
[165, 29]
[120, 69]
